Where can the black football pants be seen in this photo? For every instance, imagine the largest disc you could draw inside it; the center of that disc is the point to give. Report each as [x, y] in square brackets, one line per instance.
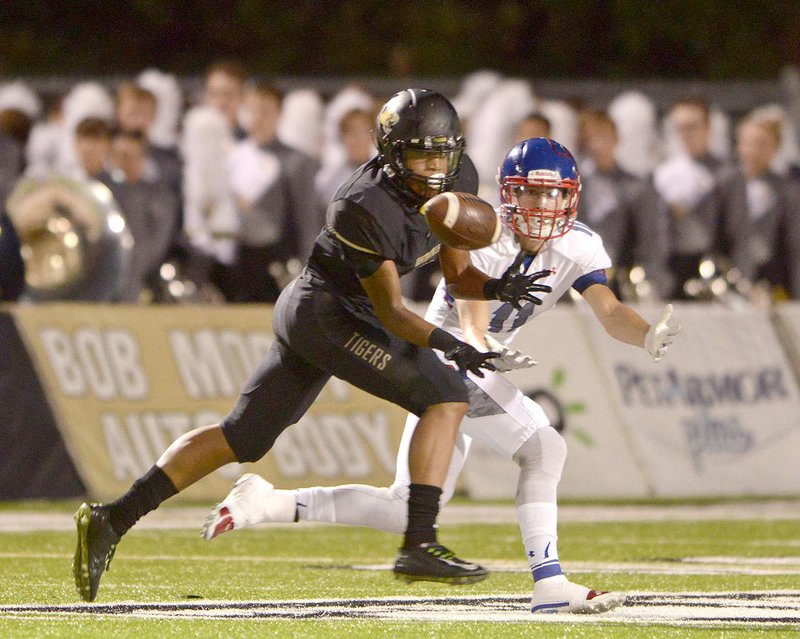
[320, 334]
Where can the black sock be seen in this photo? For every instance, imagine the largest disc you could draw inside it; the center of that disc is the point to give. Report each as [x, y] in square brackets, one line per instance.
[145, 495]
[423, 507]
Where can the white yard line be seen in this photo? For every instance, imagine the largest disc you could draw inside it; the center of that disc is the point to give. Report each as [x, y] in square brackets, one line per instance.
[756, 566]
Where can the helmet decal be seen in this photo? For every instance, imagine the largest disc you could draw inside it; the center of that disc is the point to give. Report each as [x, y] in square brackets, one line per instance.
[419, 123]
[387, 118]
[543, 173]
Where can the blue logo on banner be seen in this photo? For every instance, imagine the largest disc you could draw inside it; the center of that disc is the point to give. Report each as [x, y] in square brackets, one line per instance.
[706, 433]
[670, 388]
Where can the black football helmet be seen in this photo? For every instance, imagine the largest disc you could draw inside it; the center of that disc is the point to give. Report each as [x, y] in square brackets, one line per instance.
[422, 121]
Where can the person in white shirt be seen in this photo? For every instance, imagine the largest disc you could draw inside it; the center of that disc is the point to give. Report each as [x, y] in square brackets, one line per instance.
[211, 224]
[696, 184]
[272, 185]
[540, 185]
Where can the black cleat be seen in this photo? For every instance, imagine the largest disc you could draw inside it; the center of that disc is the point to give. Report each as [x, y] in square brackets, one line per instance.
[434, 562]
[97, 542]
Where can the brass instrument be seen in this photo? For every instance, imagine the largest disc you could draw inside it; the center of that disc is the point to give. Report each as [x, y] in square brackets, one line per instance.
[74, 239]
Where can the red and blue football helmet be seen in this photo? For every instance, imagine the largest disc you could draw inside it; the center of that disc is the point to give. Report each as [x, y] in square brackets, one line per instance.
[534, 165]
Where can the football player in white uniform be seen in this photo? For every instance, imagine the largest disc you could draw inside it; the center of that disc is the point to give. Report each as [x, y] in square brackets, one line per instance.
[540, 185]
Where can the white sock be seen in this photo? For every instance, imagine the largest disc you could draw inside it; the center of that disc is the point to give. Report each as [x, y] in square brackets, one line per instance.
[356, 505]
[541, 459]
[537, 521]
[277, 506]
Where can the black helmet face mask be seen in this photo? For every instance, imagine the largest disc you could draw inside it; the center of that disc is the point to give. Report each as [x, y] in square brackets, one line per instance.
[420, 142]
[431, 168]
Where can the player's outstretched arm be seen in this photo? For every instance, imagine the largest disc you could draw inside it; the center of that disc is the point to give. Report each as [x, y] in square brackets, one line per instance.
[508, 360]
[626, 325]
[464, 281]
[383, 289]
[473, 316]
[660, 335]
[515, 287]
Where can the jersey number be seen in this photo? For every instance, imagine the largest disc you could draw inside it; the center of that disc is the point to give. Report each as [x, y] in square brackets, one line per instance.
[504, 312]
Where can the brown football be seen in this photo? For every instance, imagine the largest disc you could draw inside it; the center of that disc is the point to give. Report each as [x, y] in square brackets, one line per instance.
[462, 220]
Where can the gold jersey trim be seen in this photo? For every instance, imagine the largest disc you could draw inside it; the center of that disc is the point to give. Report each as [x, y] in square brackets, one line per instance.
[424, 259]
[341, 238]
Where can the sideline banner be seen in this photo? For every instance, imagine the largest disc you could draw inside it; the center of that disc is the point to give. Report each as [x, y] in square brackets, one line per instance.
[125, 381]
[720, 414]
[35, 463]
[569, 385]
[787, 321]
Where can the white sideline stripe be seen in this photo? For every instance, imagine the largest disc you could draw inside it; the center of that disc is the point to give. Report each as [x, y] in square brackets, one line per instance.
[211, 558]
[193, 517]
[770, 561]
[751, 609]
[692, 566]
[762, 566]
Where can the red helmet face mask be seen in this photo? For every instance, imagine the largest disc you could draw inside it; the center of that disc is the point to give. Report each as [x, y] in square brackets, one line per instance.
[539, 187]
[541, 206]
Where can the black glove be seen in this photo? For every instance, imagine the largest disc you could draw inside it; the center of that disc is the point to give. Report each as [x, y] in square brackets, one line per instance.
[515, 287]
[465, 356]
[470, 359]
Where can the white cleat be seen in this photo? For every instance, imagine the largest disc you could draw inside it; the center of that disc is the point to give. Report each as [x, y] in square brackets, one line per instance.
[565, 596]
[252, 500]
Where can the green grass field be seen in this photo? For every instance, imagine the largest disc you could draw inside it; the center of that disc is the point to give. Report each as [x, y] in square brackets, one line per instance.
[334, 580]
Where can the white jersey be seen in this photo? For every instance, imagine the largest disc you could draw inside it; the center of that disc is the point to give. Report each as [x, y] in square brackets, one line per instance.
[568, 258]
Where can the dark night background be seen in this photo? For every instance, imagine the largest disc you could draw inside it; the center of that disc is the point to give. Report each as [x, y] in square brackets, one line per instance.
[569, 39]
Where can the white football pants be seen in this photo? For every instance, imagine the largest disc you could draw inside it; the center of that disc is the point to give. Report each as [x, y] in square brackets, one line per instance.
[501, 417]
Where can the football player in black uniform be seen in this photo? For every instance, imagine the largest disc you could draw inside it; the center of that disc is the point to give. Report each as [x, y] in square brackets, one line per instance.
[344, 316]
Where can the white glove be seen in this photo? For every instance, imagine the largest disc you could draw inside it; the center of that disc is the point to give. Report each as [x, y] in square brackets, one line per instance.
[661, 335]
[508, 360]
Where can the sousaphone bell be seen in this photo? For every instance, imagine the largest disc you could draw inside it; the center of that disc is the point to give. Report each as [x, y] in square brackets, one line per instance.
[73, 237]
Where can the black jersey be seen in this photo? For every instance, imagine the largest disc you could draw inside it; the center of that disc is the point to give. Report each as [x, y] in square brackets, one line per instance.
[369, 221]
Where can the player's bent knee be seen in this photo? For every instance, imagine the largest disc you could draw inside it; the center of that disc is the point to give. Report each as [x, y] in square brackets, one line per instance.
[552, 442]
[554, 450]
[545, 450]
[247, 448]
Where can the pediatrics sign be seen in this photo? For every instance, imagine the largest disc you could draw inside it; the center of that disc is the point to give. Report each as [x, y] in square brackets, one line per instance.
[124, 382]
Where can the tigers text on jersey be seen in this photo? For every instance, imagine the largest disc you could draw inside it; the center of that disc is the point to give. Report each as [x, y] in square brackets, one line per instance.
[576, 255]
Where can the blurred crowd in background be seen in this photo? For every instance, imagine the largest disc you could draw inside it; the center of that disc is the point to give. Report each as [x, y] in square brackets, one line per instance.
[224, 192]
